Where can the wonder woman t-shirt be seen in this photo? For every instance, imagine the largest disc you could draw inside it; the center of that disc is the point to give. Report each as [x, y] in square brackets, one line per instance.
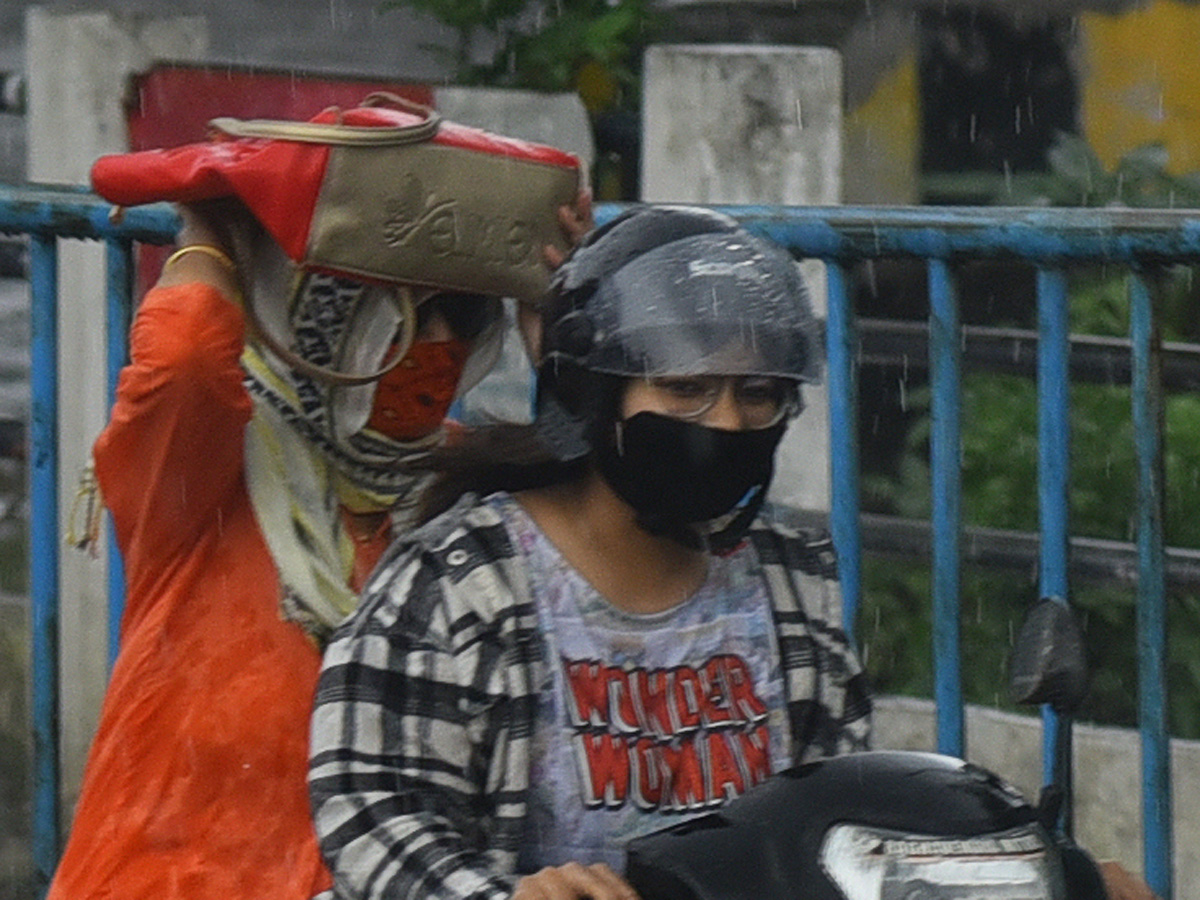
[644, 720]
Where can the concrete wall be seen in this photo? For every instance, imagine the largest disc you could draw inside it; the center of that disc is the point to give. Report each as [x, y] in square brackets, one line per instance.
[1133, 60]
[77, 69]
[1140, 82]
[338, 36]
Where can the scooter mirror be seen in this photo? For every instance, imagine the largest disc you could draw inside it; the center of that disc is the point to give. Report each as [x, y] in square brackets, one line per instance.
[1048, 664]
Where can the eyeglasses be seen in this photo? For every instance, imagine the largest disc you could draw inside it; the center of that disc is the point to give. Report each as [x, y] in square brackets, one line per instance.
[761, 401]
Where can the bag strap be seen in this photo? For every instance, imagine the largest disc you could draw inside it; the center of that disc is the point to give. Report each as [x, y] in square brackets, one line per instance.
[403, 298]
[335, 133]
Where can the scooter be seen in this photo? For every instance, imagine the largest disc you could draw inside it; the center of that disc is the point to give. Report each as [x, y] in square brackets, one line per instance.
[893, 825]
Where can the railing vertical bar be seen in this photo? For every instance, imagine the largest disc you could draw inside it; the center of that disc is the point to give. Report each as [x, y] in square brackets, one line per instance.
[1148, 421]
[842, 342]
[44, 551]
[945, 349]
[1054, 470]
[119, 261]
[1054, 446]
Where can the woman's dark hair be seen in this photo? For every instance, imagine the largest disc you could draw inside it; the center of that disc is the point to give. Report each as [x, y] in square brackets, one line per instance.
[492, 458]
[468, 315]
[509, 457]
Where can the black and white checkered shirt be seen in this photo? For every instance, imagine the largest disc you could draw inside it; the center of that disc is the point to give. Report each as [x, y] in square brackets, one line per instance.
[426, 704]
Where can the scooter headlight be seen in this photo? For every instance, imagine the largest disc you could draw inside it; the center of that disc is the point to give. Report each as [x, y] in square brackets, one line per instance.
[875, 864]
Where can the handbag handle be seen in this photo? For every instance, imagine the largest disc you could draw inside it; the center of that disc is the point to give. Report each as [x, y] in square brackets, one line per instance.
[337, 134]
[403, 299]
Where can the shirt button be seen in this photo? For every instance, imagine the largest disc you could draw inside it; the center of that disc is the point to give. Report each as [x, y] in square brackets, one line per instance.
[456, 557]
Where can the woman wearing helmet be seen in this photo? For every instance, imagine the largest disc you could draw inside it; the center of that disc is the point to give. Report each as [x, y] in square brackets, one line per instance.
[537, 676]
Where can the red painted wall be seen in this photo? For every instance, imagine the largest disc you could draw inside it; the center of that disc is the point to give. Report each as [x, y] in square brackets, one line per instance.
[172, 104]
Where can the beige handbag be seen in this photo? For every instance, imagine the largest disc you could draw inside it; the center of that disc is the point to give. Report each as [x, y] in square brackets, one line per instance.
[376, 192]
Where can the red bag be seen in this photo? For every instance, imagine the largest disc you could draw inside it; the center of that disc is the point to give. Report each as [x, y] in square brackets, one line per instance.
[376, 193]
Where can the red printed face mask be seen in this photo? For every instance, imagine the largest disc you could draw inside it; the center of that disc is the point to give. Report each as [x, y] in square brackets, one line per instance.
[412, 399]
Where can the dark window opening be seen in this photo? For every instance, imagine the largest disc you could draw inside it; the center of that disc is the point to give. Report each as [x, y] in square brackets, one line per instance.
[994, 95]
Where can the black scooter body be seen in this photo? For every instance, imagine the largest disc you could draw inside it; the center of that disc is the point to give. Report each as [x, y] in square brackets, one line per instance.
[767, 844]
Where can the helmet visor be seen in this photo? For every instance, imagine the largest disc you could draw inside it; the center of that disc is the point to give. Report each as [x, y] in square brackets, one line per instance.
[716, 304]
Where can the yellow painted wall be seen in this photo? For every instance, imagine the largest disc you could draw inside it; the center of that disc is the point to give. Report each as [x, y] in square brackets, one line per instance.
[1140, 82]
[881, 140]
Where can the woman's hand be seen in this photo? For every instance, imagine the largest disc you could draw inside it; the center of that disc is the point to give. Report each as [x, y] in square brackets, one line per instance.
[1121, 885]
[206, 225]
[574, 882]
[576, 220]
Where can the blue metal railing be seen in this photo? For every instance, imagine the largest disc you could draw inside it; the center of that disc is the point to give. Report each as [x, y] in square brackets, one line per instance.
[46, 215]
[1052, 240]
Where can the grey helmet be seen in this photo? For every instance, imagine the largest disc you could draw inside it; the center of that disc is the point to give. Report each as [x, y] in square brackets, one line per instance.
[667, 290]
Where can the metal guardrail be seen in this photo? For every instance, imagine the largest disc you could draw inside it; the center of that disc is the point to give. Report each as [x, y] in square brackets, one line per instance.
[1051, 239]
[47, 214]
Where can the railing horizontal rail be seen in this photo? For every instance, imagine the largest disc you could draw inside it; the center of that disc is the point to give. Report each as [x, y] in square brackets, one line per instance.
[1037, 235]
[70, 212]
[1093, 358]
[1090, 559]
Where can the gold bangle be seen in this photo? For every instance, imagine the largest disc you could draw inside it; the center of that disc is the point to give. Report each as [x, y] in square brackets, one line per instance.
[208, 250]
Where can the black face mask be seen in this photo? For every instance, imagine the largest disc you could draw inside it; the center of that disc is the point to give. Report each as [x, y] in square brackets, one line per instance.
[701, 486]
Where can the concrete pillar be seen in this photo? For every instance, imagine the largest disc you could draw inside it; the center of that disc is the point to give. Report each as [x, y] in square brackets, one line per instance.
[734, 124]
[78, 67]
[559, 120]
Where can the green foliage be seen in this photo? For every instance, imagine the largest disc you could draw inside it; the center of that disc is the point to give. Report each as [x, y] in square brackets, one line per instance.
[464, 16]
[1078, 178]
[896, 637]
[999, 474]
[581, 33]
[593, 46]
[999, 478]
